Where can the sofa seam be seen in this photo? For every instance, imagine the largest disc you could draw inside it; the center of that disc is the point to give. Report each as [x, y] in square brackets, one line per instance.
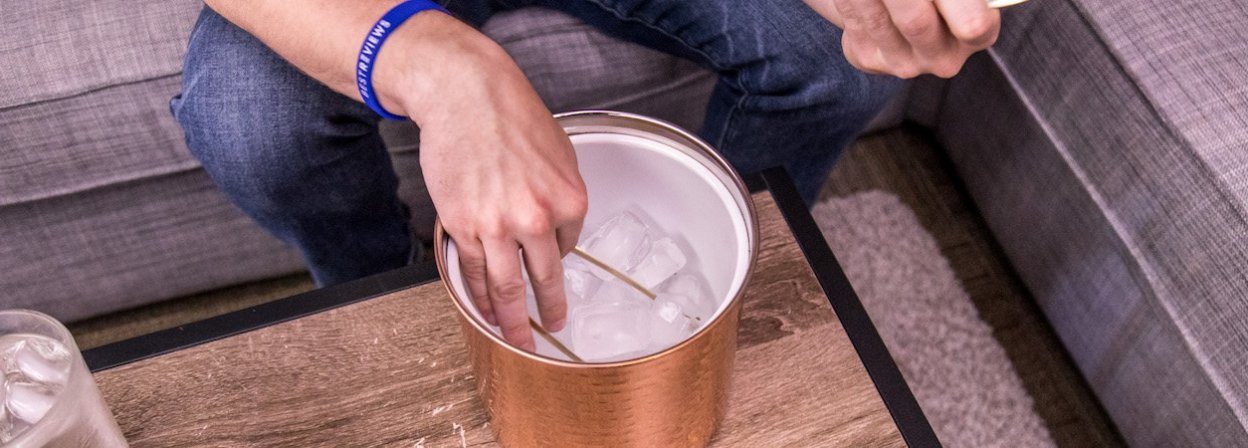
[137, 176]
[88, 90]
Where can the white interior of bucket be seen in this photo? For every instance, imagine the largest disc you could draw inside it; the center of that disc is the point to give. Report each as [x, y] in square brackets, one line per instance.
[677, 193]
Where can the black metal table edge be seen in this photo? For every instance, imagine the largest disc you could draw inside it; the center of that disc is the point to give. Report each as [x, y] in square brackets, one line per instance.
[901, 404]
[903, 408]
[256, 317]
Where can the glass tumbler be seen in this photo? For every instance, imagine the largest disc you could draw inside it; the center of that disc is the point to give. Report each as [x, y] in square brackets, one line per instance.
[49, 398]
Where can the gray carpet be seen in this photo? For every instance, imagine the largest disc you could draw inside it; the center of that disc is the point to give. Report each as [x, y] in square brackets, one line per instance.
[958, 372]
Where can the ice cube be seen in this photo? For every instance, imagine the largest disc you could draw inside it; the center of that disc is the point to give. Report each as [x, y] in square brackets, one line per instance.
[43, 361]
[619, 243]
[618, 291]
[664, 260]
[48, 348]
[687, 290]
[669, 324]
[578, 278]
[29, 401]
[607, 331]
[9, 345]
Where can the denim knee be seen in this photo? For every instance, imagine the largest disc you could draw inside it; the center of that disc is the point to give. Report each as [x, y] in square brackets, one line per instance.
[794, 62]
[804, 78]
[258, 125]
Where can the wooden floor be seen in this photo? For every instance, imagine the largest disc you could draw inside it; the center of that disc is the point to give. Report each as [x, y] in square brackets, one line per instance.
[902, 161]
[909, 164]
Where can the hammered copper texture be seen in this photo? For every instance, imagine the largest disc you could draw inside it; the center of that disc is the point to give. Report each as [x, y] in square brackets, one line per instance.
[672, 400]
[394, 371]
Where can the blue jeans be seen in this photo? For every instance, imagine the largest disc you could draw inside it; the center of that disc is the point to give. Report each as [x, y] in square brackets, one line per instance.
[308, 163]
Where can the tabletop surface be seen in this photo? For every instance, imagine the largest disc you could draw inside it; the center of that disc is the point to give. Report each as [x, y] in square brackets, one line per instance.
[393, 371]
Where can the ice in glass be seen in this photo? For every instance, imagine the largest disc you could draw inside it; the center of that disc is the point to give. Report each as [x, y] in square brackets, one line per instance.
[47, 396]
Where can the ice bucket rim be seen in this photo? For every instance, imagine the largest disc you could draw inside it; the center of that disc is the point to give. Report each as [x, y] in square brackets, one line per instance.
[660, 128]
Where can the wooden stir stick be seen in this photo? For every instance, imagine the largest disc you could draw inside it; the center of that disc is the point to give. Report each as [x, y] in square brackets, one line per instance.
[610, 270]
[623, 277]
[555, 342]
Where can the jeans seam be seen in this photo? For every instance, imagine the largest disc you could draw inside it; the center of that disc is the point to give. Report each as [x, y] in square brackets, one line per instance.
[739, 81]
[729, 129]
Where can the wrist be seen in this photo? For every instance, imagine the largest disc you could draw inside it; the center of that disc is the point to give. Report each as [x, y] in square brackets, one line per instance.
[427, 63]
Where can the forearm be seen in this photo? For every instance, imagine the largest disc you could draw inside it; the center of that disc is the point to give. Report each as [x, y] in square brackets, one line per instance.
[323, 37]
[501, 171]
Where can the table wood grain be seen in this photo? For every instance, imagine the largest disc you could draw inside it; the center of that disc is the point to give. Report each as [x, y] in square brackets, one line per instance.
[393, 371]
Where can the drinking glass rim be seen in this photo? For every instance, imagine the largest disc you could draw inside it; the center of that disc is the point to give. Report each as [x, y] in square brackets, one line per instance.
[63, 335]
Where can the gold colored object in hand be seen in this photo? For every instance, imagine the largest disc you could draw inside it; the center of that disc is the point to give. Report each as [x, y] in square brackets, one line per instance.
[610, 270]
[1003, 3]
[555, 342]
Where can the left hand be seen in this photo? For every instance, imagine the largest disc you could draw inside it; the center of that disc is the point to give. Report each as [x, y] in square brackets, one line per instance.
[907, 38]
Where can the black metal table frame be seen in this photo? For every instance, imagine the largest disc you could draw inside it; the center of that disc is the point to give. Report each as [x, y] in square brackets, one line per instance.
[879, 364]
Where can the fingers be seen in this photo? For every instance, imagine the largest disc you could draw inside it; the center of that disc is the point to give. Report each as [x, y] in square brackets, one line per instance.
[568, 235]
[543, 261]
[472, 265]
[921, 25]
[906, 38]
[491, 269]
[570, 216]
[871, 40]
[971, 22]
[506, 290]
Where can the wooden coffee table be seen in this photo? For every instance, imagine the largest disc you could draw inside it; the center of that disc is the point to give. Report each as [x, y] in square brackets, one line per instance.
[381, 362]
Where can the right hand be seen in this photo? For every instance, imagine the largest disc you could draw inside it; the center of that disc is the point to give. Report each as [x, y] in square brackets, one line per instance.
[500, 170]
[907, 38]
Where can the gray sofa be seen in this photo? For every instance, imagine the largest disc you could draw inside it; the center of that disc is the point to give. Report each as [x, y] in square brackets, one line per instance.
[1105, 143]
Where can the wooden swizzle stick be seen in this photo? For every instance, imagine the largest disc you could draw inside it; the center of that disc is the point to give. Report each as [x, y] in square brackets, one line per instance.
[623, 277]
[555, 342]
[610, 270]
[541, 331]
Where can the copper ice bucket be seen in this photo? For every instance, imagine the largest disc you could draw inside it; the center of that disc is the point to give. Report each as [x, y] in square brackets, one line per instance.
[672, 398]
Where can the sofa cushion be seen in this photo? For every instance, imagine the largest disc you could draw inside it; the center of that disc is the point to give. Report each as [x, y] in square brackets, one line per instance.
[1106, 144]
[59, 48]
[126, 245]
[112, 135]
[84, 94]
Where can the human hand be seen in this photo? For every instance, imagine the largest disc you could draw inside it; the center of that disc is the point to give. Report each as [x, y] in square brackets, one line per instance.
[907, 38]
[503, 177]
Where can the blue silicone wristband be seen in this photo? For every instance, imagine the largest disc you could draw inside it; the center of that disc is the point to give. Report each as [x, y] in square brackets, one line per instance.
[372, 45]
